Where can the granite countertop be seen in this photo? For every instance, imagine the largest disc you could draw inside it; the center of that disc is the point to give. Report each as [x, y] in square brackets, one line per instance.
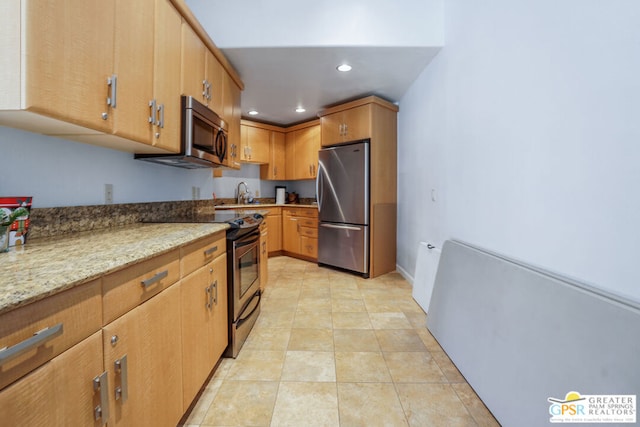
[45, 267]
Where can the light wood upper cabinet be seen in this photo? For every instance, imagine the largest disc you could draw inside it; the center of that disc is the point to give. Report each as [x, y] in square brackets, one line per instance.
[68, 53]
[348, 125]
[232, 113]
[307, 146]
[215, 83]
[202, 74]
[255, 142]
[133, 66]
[166, 73]
[108, 73]
[275, 169]
[147, 66]
[301, 151]
[193, 64]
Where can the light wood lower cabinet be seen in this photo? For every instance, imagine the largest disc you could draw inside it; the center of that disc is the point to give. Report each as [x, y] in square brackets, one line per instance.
[147, 340]
[204, 324]
[300, 232]
[162, 334]
[264, 255]
[61, 321]
[274, 224]
[59, 393]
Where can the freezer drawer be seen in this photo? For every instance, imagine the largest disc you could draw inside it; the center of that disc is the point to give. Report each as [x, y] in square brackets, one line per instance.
[344, 246]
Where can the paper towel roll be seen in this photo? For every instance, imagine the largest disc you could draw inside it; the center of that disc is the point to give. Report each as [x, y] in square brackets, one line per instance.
[280, 196]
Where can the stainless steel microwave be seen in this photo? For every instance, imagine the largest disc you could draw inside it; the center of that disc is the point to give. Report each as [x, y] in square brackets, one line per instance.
[203, 139]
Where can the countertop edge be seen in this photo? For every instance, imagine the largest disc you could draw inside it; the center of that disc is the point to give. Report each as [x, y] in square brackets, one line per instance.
[32, 273]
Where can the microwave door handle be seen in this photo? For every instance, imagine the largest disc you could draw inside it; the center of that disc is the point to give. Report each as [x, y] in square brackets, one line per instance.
[221, 145]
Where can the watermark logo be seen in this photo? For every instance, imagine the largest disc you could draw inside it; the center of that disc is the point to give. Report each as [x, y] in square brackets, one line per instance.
[605, 408]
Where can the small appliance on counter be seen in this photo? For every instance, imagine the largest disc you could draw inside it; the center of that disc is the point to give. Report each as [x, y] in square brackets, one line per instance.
[14, 224]
[280, 194]
[292, 198]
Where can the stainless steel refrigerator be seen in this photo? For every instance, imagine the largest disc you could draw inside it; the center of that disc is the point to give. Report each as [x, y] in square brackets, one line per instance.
[342, 189]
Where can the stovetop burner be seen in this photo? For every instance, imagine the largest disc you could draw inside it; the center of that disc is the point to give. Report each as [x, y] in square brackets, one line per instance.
[235, 220]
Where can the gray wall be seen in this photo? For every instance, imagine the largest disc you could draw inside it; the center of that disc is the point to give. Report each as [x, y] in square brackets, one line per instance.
[58, 172]
[527, 125]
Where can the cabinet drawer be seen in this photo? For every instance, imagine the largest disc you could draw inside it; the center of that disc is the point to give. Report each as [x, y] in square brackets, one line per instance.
[127, 288]
[309, 246]
[197, 254]
[77, 310]
[308, 212]
[309, 231]
[305, 222]
[305, 212]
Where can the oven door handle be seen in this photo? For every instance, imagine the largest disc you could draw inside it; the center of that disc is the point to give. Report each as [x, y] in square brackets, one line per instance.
[247, 240]
[241, 320]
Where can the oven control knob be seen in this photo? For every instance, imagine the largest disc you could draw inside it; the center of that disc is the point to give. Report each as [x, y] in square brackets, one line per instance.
[239, 221]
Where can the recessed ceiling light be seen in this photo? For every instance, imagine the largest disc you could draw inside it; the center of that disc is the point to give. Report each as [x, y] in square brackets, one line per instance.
[253, 113]
[344, 67]
[300, 110]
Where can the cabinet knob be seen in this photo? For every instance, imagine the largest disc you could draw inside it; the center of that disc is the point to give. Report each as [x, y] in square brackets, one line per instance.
[104, 116]
[114, 340]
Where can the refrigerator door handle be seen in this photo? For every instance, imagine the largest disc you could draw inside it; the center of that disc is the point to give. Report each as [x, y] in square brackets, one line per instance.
[318, 195]
[341, 227]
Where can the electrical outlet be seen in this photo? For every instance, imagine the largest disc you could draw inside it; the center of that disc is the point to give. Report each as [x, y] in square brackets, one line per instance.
[257, 193]
[108, 194]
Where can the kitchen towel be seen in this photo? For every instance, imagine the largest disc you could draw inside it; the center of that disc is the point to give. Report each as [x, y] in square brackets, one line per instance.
[425, 274]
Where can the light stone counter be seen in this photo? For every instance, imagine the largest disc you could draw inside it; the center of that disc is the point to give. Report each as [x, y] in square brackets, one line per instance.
[263, 205]
[45, 267]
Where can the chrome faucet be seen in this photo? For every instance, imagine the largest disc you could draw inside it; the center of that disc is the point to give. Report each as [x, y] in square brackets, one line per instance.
[243, 196]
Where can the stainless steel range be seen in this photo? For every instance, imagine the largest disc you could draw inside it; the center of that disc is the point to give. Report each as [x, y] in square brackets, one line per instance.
[243, 278]
[243, 271]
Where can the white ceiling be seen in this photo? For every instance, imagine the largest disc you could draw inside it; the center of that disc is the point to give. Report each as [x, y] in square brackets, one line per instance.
[281, 73]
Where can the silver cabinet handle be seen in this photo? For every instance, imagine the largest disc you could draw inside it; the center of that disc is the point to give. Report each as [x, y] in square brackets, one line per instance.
[120, 367]
[210, 250]
[101, 411]
[39, 338]
[209, 302]
[215, 298]
[204, 88]
[160, 122]
[152, 114]
[341, 227]
[157, 277]
[112, 82]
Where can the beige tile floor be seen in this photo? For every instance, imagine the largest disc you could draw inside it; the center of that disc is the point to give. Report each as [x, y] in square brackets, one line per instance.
[332, 349]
